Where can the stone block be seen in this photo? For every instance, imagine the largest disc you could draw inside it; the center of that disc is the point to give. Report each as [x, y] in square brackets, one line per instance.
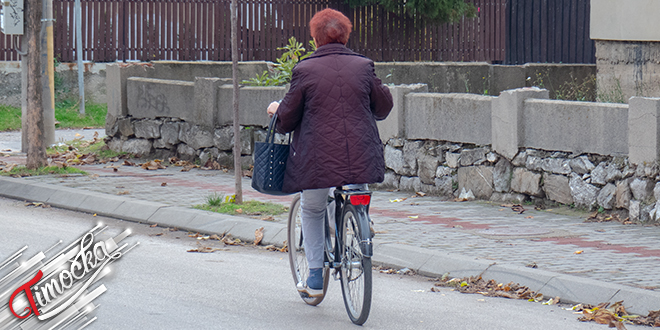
[449, 117]
[411, 151]
[391, 181]
[428, 165]
[115, 144]
[556, 188]
[252, 108]
[584, 194]
[473, 156]
[581, 165]
[223, 138]
[642, 189]
[507, 119]
[443, 171]
[606, 196]
[137, 147]
[526, 182]
[623, 194]
[578, 127]
[445, 185]
[499, 197]
[147, 129]
[225, 159]
[208, 153]
[186, 152]
[125, 127]
[634, 210]
[556, 166]
[502, 175]
[154, 98]
[644, 128]
[656, 191]
[598, 174]
[169, 132]
[452, 159]
[520, 159]
[534, 163]
[407, 183]
[196, 136]
[479, 179]
[394, 124]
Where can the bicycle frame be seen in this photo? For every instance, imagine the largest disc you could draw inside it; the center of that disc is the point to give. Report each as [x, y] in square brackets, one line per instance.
[342, 196]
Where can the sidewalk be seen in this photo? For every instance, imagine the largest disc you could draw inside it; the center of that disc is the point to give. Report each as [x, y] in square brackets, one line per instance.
[426, 234]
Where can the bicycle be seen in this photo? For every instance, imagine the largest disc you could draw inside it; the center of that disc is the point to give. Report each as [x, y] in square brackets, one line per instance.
[348, 253]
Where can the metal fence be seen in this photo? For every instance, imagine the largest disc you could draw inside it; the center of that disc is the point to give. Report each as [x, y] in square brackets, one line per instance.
[554, 31]
[117, 30]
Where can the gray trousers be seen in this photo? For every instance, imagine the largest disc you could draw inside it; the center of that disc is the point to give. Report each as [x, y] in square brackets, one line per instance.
[314, 203]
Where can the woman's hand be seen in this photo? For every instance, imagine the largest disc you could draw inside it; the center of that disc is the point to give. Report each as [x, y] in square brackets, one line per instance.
[272, 108]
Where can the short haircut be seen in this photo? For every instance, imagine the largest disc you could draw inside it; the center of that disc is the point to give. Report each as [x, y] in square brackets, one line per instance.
[330, 25]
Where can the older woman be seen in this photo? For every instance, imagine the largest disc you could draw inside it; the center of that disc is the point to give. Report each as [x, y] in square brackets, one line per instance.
[332, 107]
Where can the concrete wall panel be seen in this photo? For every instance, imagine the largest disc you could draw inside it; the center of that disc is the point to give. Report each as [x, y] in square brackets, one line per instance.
[578, 127]
[449, 117]
[153, 98]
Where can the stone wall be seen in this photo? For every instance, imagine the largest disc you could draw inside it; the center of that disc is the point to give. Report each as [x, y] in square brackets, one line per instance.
[514, 147]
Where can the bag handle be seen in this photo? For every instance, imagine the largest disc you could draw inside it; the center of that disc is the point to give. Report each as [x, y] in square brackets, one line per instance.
[270, 135]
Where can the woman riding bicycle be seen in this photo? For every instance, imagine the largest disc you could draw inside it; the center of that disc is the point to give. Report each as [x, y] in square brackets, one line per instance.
[332, 107]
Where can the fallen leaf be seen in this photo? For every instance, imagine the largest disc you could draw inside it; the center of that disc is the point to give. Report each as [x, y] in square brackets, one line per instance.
[269, 218]
[258, 235]
[159, 234]
[518, 208]
[239, 211]
[578, 252]
[413, 216]
[154, 225]
[397, 200]
[205, 249]
[163, 184]
[529, 217]
[123, 192]
[420, 194]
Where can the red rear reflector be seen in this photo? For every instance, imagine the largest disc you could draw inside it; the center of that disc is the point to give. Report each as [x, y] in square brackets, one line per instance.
[360, 199]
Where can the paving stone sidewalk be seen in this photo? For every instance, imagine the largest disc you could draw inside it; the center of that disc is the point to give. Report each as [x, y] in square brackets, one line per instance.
[612, 253]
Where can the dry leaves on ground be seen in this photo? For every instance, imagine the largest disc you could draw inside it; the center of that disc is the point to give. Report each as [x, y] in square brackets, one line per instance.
[606, 217]
[153, 165]
[258, 235]
[37, 204]
[476, 284]
[615, 315]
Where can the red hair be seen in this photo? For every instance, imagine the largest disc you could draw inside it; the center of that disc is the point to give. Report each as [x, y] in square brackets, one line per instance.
[330, 25]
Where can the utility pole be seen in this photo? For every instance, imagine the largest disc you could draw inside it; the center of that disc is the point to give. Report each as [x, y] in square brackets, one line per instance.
[36, 146]
[48, 72]
[238, 169]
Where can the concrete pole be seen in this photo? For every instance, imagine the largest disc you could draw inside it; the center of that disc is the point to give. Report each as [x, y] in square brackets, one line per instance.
[47, 71]
[79, 50]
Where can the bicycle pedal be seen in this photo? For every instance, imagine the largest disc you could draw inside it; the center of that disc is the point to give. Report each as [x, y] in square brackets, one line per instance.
[335, 274]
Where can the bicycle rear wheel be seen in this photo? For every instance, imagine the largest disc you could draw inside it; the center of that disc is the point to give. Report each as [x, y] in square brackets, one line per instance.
[297, 258]
[355, 266]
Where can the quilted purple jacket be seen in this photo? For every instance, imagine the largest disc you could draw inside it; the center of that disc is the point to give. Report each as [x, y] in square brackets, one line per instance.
[332, 107]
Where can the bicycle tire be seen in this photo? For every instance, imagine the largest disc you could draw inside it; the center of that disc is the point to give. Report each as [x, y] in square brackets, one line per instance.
[297, 259]
[356, 277]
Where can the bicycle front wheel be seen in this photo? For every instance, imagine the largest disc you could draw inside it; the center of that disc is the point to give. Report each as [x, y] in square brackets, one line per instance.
[355, 266]
[297, 258]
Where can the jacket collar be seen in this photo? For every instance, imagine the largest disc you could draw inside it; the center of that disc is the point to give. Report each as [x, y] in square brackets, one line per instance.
[331, 49]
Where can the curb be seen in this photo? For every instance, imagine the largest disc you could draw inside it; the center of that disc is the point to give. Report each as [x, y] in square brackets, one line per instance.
[571, 289]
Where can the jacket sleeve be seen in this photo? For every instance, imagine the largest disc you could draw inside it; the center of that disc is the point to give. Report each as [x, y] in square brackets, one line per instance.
[290, 111]
[381, 98]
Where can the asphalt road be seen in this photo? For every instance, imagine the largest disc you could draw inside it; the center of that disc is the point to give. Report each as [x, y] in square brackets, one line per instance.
[159, 285]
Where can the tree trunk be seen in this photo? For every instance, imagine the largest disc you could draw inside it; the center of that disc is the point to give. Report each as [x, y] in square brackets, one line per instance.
[238, 169]
[36, 146]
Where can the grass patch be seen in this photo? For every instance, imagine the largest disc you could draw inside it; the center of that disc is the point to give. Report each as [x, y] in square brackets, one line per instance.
[84, 147]
[21, 171]
[247, 208]
[66, 113]
[10, 118]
